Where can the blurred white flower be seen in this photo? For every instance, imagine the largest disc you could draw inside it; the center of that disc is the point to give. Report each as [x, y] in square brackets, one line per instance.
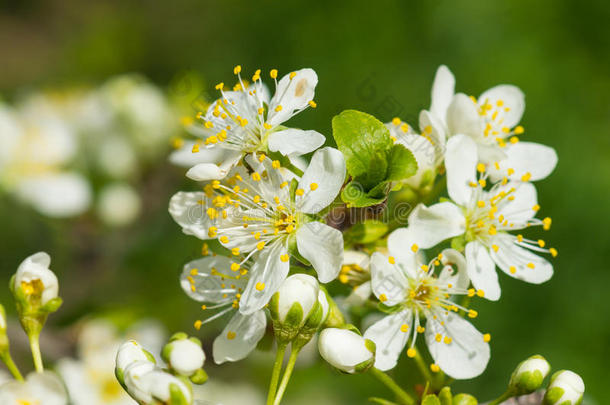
[119, 204]
[38, 388]
[35, 280]
[90, 378]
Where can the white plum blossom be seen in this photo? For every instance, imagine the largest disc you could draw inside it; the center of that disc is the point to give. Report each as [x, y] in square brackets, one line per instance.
[492, 121]
[38, 388]
[246, 120]
[267, 213]
[402, 282]
[212, 280]
[483, 219]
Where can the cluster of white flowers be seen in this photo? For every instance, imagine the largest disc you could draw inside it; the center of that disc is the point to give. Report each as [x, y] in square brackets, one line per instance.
[64, 152]
[268, 210]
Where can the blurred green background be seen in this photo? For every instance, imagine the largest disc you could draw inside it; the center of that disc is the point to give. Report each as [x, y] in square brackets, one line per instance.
[378, 57]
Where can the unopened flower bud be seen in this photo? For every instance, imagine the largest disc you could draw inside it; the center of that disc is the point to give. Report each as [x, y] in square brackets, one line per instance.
[529, 375]
[346, 350]
[34, 282]
[183, 354]
[129, 353]
[293, 304]
[565, 388]
[464, 399]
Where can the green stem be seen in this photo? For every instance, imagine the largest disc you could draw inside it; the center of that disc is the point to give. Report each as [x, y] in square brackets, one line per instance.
[508, 394]
[294, 353]
[10, 364]
[423, 367]
[35, 347]
[275, 374]
[401, 394]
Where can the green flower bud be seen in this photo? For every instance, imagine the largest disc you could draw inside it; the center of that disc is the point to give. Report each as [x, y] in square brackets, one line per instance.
[3, 337]
[464, 399]
[430, 399]
[185, 356]
[445, 396]
[346, 350]
[529, 375]
[565, 388]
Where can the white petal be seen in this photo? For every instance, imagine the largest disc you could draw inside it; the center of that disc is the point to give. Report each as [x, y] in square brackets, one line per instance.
[400, 245]
[389, 338]
[323, 247]
[434, 129]
[466, 356]
[423, 152]
[463, 117]
[460, 162]
[214, 171]
[189, 210]
[512, 98]
[482, 270]
[270, 271]
[526, 157]
[453, 259]
[292, 94]
[239, 337]
[519, 210]
[432, 225]
[203, 286]
[443, 89]
[388, 280]
[185, 157]
[56, 195]
[295, 141]
[511, 255]
[356, 257]
[327, 170]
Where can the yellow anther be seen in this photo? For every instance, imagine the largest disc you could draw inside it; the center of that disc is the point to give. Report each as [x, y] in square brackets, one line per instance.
[481, 168]
[261, 111]
[518, 130]
[194, 272]
[414, 248]
[512, 269]
[292, 75]
[396, 121]
[553, 252]
[224, 239]
[471, 292]
[411, 352]
[480, 203]
[313, 186]
[204, 307]
[237, 69]
[243, 122]
[486, 337]
[531, 265]
[299, 191]
[492, 230]
[278, 108]
[421, 329]
[212, 232]
[480, 293]
[260, 286]
[260, 245]
[262, 157]
[220, 86]
[267, 126]
[383, 297]
[312, 104]
[482, 182]
[195, 148]
[235, 266]
[447, 340]
[424, 267]
[276, 164]
[391, 260]
[273, 73]
[231, 335]
[541, 243]
[472, 313]
[510, 171]
[198, 324]
[209, 124]
[526, 177]
[256, 176]
[438, 337]
[404, 128]
[284, 184]
[235, 251]
[434, 368]
[514, 139]
[284, 257]
[546, 223]
[519, 238]
[495, 247]
[404, 328]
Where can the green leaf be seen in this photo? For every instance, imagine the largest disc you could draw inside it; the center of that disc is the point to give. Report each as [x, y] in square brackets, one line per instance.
[366, 232]
[354, 195]
[365, 142]
[401, 164]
